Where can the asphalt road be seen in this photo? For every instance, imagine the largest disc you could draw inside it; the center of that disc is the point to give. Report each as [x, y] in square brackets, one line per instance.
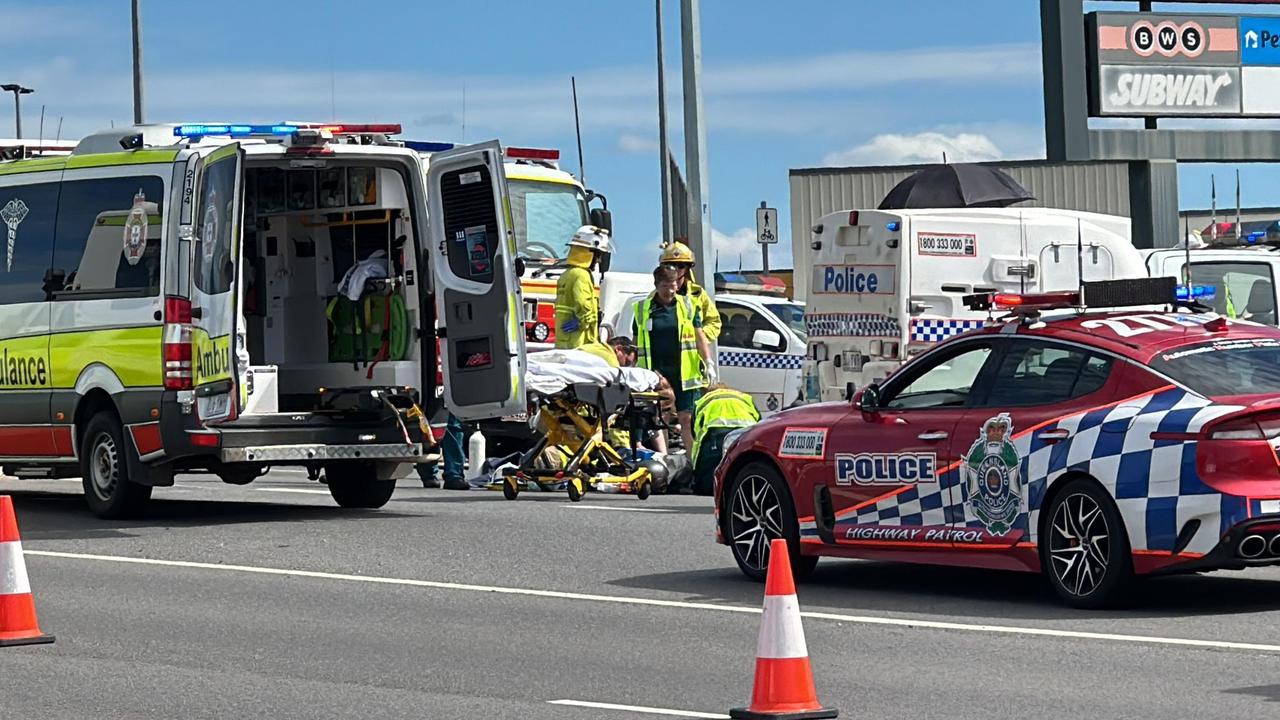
[269, 601]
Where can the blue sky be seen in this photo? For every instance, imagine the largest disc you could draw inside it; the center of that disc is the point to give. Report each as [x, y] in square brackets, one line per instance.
[787, 85]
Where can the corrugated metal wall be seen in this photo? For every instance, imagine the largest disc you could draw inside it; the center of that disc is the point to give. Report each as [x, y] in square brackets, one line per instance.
[1094, 187]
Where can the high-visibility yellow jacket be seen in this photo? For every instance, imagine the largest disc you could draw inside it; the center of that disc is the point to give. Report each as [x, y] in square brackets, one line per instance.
[706, 308]
[721, 408]
[691, 373]
[577, 309]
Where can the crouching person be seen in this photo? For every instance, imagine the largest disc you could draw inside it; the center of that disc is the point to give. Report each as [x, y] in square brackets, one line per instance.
[717, 413]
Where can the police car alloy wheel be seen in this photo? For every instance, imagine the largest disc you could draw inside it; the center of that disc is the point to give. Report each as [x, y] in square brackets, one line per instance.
[1085, 549]
[760, 510]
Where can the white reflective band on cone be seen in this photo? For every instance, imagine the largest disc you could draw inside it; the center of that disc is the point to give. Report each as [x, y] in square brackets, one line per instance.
[13, 570]
[781, 635]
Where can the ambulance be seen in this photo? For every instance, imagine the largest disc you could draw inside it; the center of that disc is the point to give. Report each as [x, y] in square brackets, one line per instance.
[887, 285]
[548, 205]
[221, 298]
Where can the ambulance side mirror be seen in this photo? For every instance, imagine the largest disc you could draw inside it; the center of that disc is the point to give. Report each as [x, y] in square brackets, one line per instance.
[602, 218]
[869, 400]
[520, 267]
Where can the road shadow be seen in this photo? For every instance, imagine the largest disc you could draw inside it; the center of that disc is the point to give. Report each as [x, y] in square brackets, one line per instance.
[971, 594]
[1270, 693]
[60, 516]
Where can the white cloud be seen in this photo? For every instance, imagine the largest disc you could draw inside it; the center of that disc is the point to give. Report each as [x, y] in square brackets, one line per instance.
[630, 143]
[925, 147]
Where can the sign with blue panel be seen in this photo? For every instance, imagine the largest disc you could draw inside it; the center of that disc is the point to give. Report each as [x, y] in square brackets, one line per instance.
[1260, 40]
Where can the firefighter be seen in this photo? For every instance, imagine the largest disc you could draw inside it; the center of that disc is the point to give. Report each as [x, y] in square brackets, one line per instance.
[721, 411]
[679, 256]
[577, 306]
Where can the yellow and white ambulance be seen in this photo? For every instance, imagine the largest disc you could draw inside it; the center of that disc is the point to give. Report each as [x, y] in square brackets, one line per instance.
[228, 298]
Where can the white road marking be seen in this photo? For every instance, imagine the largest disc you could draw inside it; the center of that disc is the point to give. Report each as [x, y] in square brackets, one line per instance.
[619, 509]
[684, 605]
[636, 709]
[303, 491]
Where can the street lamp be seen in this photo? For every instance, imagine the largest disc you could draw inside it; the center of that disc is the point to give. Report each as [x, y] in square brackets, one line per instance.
[18, 91]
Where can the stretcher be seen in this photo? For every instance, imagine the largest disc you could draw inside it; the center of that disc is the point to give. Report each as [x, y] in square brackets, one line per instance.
[576, 401]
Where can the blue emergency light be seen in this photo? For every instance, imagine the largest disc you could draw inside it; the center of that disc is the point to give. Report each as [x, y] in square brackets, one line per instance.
[202, 130]
[1255, 236]
[892, 226]
[1196, 292]
[428, 146]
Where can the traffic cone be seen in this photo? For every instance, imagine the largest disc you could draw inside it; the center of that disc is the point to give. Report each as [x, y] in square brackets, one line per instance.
[784, 681]
[17, 607]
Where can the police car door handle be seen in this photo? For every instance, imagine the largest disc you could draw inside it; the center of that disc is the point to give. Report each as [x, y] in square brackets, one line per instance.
[933, 435]
[1053, 436]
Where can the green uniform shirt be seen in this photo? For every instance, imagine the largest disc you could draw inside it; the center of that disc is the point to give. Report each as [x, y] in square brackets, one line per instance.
[665, 338]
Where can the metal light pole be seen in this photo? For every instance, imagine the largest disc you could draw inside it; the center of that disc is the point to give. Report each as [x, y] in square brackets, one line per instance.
[664, 150]
[18, 91]
[137, 63]
[695, 143]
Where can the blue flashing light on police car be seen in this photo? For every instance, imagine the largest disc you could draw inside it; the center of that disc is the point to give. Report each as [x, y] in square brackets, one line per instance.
[202, 130]
[1196, 292]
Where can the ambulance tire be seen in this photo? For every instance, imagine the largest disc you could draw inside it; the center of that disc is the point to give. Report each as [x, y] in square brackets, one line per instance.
[757, 490]
[104, 470]
[1088, 562]
[355, 485]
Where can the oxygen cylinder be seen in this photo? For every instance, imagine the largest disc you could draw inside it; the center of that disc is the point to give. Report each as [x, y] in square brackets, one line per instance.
[475, 452]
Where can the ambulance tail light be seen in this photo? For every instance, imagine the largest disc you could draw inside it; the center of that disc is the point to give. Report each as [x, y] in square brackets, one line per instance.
[177, 344]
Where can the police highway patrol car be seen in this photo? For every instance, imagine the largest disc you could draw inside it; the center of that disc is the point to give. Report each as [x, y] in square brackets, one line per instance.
[226, 298]
[1090, 446]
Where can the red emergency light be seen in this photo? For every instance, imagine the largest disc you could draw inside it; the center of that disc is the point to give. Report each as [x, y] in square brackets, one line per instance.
[358, 129]
[520, 153]
[1037, 300]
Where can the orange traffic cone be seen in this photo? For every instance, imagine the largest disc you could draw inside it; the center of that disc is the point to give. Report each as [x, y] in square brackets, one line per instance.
[17, 607]
[784, 681]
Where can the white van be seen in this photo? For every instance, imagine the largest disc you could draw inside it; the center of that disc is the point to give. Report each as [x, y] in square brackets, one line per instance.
[228, 298]
[761, 346]
[1243, 279]
[885, 285]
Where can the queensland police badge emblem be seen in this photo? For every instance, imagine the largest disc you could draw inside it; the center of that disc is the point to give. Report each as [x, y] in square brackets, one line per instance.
[992, 480]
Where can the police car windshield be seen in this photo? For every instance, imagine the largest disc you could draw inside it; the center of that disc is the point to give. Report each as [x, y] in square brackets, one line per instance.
[791, 314]
[1225, 367]
[546, 215]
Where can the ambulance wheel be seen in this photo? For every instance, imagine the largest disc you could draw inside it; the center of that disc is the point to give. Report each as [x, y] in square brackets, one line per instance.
[575, 489]
[104, 470]
[1085, 549]
[356, 485]
[759, 510]
[510, 488]
[646, 487]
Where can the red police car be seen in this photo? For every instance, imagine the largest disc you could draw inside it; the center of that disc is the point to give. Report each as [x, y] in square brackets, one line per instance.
[1091, 446]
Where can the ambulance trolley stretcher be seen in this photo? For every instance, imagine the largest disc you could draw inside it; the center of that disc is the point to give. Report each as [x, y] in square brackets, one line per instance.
[574, 395]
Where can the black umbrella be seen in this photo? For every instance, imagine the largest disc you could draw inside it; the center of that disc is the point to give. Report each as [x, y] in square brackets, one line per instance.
[958, 185]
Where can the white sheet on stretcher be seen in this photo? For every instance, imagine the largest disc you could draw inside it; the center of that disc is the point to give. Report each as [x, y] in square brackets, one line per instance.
[551, 371]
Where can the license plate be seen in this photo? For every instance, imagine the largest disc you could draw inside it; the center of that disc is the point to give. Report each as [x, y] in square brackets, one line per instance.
[215, 407]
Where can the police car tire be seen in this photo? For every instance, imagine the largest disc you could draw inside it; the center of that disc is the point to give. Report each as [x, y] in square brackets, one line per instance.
[1118, 577]
[801, 565]
[103, 442]
[355, 486]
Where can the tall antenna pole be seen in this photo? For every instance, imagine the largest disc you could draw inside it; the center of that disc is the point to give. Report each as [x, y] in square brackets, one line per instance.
[1213, 209]
[1080, 258]
[1186, 241]
[1239, 230]
[137, 63]
[577, 128]
[1022, 277]
[664, 150]
[41, 125]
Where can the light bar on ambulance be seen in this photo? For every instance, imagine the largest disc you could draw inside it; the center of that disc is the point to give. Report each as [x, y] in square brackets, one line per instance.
[428, 146]
[244, 129]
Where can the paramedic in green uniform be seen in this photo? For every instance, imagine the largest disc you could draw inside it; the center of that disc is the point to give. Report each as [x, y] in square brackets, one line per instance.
[669, 341]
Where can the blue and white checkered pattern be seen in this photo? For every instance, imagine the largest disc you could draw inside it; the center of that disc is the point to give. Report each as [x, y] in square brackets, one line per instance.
[1154, 482]
[939, 329]
[851, 325]
[766, 360]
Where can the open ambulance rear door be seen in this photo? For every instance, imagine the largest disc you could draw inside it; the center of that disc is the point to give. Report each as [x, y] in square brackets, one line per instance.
[215, 278]
[472, 255]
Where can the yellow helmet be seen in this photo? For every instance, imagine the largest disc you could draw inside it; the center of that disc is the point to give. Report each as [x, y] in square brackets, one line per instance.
[676, 253]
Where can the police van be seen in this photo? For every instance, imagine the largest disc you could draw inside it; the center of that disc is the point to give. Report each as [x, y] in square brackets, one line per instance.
[229, 298]
[1241, 279]
[885, 285]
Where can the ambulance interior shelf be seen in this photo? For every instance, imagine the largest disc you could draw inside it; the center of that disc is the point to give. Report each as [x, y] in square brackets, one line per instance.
[331, 272]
